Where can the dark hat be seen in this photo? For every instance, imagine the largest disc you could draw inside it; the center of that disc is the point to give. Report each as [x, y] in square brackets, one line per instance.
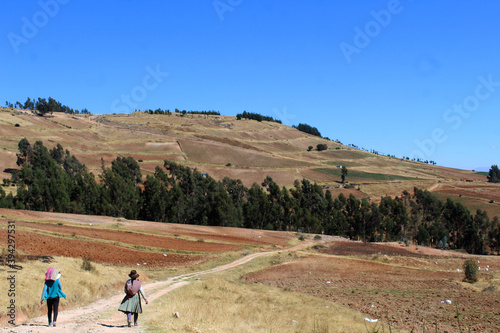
[133, 274]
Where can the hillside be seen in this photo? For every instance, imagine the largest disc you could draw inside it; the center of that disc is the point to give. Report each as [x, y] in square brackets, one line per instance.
[235, 270]
[241, 149]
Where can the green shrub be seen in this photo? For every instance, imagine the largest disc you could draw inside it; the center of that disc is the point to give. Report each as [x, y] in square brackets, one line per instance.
[317, 237]
[470, 270]
[321, 147]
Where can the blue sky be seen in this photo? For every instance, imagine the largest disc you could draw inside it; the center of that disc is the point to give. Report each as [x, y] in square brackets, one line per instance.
[407, 78]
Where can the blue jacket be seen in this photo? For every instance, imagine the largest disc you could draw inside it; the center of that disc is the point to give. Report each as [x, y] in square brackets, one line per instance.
[52, 289]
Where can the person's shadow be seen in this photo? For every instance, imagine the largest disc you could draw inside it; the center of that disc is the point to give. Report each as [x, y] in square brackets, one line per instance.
[113, 326]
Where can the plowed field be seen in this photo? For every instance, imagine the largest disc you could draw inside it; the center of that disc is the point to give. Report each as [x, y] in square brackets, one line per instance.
[408, 289]
[486, 192]
[153, 245]
[134, 238]
[36, 244]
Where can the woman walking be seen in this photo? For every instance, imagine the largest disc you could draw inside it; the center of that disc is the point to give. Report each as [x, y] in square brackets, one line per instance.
[52, 291]
[131, 303]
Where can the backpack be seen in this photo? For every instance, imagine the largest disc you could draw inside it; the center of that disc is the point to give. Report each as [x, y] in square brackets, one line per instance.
[132, 287]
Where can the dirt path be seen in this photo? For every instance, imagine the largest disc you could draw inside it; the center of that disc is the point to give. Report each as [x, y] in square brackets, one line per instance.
[433, 187]
[102, 315]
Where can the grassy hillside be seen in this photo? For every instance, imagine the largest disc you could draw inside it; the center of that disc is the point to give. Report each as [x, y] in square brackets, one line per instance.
[224, 146]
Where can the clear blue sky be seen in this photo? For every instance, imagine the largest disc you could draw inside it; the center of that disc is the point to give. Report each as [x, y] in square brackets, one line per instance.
[410, 78]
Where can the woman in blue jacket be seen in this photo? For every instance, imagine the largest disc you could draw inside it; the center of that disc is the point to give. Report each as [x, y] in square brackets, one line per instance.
[52, 291]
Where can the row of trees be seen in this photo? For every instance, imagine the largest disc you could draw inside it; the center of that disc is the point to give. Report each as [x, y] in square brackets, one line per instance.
[183, 112]
[209, 113]
[256, 116]
[301, 127]
[452, 223]
[308, 129]
[43, 106]
[54, 180]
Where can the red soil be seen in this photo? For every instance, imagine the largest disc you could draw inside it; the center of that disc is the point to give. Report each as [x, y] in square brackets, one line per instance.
[36, 244]
[133, 238]
[491, 192]
[384, 289]
[103, 245]
[238, 236]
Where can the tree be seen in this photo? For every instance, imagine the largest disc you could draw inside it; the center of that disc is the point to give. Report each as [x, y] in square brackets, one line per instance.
[321, 147]
[308, 129]
[42, 183]
[42, 106]
[256, 208]
[25, 152]
[494, 174]
[276, 208]
[29, 104]
[6, 201]
[344, 173]
[53, 105]
[422, 236]
[494, 235]
[120, 195]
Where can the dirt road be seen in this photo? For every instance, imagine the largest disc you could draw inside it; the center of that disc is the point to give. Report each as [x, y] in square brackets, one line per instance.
[103, 316]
